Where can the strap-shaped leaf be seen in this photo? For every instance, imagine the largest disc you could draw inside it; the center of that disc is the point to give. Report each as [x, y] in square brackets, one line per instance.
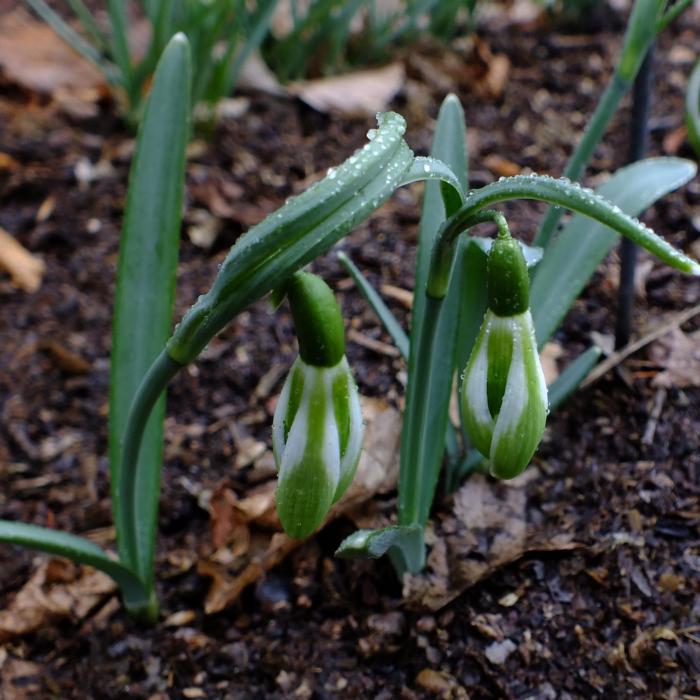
[305, 227]
[692, 108]
[144, 296]
[642, 27]
[403, 543]
[83, 551]
[572, 258]
[74, 40]
[433, 340]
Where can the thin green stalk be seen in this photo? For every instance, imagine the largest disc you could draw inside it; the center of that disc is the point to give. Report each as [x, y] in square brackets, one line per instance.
[677, 9]
[640, 33]
[89, 24]
[415, 488]
[148, 393]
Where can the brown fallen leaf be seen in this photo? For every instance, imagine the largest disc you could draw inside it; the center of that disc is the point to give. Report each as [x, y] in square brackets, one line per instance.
[57, 589]
[66, 359]
[679, 353]
[34, 56]
[494, 70]
[489, 526]
[232, 570]
[359, 94]
[674, 140]
[25, 269]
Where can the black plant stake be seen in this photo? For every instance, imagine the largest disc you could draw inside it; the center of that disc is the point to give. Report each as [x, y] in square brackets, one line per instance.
[639, 132]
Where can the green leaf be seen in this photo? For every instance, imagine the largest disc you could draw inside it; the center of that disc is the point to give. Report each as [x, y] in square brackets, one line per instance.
[82, 551]
[389, 321]
[144, 295]
[74, 40]
[692, 108]
[403, 543]
[304, 228]
[570, 379]
[575, 254]
[120, 41]
[642, 27]
[639, 36]
[433, 337]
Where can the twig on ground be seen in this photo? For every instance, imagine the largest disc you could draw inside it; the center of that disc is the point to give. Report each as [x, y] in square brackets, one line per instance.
[617, 357]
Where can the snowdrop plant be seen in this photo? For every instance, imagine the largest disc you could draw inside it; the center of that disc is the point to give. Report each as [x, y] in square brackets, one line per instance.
[463, 281]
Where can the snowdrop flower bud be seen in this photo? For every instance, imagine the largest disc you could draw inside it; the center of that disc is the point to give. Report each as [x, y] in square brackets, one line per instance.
[317, 428]
[503, 393]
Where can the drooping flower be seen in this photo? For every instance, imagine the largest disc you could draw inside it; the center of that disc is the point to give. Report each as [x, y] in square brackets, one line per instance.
[503, 393]
[317, 428]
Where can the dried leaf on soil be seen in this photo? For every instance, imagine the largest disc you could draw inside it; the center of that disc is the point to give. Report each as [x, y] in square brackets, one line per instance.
[35, 57]
[57, 589]
[489, 526]
[25, 269]
[359, 94]
[679, 353]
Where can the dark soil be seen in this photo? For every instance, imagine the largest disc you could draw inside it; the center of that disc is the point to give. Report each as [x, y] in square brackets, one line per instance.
[617, 618]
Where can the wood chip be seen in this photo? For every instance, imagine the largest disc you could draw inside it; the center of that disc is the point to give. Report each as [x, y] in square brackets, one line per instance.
[26, 270]
[377, 346]
[403, 296]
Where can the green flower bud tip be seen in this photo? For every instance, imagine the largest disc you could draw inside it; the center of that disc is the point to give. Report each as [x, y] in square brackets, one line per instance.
[504, 395]
[317, 439]
[507, 278]
[317, 320]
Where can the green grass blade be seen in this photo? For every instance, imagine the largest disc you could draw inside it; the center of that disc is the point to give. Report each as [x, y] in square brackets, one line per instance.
[692, 108]
[433, 338]
[256, 36]
[89, 24]
[82, 551]
[576, 253]
[570, 379]
[74, 40]
[388, 320]
[145, 292]
[120, 42]
[639, 35]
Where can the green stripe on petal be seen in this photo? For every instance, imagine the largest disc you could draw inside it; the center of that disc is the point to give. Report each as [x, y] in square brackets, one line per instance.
[341, 390]
[500, 352]
[474, 393]
[350, 456]
[521, 421]
[310, 460]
